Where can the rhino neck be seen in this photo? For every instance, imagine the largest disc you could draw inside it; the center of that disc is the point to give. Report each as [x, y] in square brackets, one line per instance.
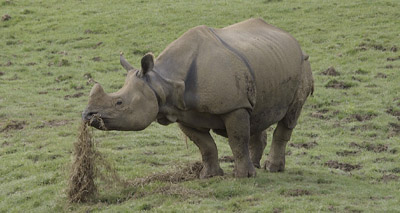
[169, 95]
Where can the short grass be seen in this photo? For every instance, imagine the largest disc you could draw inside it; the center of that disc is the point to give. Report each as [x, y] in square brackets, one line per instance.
[343, 156]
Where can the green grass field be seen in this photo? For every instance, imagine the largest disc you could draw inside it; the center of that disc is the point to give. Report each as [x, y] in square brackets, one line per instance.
[343, 156]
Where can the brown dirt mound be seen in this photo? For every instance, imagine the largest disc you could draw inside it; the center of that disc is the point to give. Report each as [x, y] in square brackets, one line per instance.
[304, 145]
[14, 125]
[371, 147]
[331, 71]
[389, 177]
[5, 17]
[296, 192]
[342, 166]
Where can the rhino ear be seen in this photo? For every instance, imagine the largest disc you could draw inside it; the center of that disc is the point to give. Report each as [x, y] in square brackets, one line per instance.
[147, 63]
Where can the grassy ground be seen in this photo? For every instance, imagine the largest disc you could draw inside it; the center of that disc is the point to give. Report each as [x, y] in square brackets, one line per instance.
[343, 156]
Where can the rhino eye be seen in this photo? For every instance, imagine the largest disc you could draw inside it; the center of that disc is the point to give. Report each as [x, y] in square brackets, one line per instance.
[119, 102]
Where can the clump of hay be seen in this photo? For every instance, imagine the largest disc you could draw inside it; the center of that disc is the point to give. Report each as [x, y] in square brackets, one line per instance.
[81, 184]
[190, 172]
[90, 165]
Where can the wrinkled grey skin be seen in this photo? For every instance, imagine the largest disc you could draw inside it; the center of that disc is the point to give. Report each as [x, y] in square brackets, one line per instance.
[236, 81]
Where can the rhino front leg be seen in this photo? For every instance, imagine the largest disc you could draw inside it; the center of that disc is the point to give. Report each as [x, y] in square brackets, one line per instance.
[237, 124]
[276, 158]
[257, 145]
[208, 149]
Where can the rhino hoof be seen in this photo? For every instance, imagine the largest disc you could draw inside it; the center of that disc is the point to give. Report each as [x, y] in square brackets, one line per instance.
[208, 172]
[274, 167]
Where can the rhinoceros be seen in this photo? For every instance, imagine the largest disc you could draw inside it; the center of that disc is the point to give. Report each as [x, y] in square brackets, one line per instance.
[237, 81]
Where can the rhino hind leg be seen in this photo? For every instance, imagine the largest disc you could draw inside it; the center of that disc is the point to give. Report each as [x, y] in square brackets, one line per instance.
[208, 149]
[276, 158]
[237, 124]
[257, 145]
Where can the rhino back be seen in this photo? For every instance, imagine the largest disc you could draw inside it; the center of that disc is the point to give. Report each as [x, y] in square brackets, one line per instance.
[249, 65]
[276, 60]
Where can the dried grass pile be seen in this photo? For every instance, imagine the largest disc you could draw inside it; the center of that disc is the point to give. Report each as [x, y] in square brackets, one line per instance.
[90, 167]
[81, 184]
[190, 172]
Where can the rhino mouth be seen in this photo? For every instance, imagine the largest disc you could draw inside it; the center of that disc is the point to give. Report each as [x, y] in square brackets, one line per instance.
[97, 121]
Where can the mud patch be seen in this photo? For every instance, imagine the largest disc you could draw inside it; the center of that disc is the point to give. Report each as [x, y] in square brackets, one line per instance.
[331, 71]
[97, 45]
[53, 123]
[361, 118]
[2, 73]
[335, 84]
[384, 159]
[393, 58]
[342, 166]
[394, 128]
[5, 17]
[379, 47]
[347, 153]
[393, 112]
[14, 125]
[389, 177]
[381, 75]
[97, 58]
[304, 145]
[76, 95]
[295, 192]
[371, 147]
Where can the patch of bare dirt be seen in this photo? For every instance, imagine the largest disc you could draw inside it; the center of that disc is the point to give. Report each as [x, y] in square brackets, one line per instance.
[53, 123]
[63, 63]
[76, 95]
[97, 58]
[347, 152]
[296, 192]
[5, 143]
[228, 159]
[389, 177]
[381, 75]
[384, 159]
[393, 58]
[308, 145]
[97, 45]
[5, 17]
[379, 47]
[393, 112]
[14, 125]
[361, 118]
[395, 128]
[342, 166]
[371, 147]
[331, 71]
[335, 84]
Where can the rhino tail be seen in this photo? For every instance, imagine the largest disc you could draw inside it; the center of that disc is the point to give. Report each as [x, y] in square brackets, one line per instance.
[305, 56]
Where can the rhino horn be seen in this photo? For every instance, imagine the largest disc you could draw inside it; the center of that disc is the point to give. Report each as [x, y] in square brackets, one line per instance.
[96, 90]
[125, 63]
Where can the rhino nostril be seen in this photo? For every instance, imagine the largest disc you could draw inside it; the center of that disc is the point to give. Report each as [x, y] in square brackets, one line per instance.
[88, 115]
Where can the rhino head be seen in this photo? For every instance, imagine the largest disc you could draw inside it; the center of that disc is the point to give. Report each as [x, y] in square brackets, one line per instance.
[133, 107]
